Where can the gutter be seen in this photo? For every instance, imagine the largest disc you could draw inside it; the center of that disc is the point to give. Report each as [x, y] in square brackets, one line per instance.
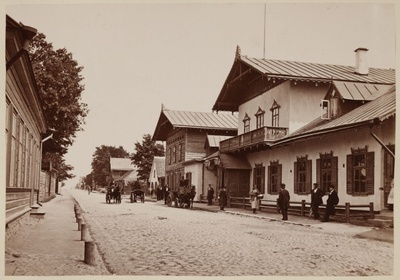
[382, 144]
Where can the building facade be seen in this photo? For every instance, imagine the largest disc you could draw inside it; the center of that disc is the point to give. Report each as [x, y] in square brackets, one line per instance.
[304, 123]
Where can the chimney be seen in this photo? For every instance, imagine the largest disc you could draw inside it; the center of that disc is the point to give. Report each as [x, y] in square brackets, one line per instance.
[361, 61]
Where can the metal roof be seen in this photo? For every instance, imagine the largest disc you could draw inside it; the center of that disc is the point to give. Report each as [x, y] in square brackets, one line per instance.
[201, 120]
[380, 109]
[169, 120]
[213, 140]
[360, 91]
[316, 71]
[121, 164]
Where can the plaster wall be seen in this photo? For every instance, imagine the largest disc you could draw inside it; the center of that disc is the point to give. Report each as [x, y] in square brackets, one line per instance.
[340, 143]
[197, 177]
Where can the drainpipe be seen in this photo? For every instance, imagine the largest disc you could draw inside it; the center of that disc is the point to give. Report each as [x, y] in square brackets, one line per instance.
[28, 33]
[40, 163]
[382, 144]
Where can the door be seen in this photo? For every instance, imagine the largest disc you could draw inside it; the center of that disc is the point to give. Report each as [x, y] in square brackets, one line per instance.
[388, 171]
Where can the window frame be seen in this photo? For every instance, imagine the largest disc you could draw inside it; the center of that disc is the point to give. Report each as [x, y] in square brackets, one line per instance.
[302, 178]
[275, 114]
[274, 177]
[246, 123]
[259, 118]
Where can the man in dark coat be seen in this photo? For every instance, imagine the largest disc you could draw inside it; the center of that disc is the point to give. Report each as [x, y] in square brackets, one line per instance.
[210, 194]
[223, 198]
[316, 200]
[283, 201]
[332, 200]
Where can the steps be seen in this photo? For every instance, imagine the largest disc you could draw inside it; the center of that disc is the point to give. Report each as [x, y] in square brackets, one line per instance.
[383, 220]
[36, 212]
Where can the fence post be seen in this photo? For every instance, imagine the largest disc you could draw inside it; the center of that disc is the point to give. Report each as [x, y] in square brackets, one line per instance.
[277, 205]
[80, 221]
[83, 232]
[371, 210]
[347, 212]
[303, 206]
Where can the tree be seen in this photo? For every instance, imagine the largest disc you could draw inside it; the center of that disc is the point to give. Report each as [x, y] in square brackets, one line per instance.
[144, 155]
[101, 162]
[60, 88]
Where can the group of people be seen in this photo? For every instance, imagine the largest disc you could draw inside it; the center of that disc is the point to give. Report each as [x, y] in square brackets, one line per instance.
[222, 197]
[316, 201]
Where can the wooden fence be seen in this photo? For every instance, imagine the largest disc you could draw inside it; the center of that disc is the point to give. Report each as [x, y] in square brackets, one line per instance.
[302, 208]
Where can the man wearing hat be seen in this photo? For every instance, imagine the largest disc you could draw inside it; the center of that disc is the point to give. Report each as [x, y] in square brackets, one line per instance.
[332, 200]
[316, 200]
[283, 201]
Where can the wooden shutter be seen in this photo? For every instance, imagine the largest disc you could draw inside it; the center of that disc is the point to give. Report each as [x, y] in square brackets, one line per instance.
[262, 180]
[308, 176]
[370, 173]
[279, 175]
[319, 173]
[269, 180]
[254, 178]
[349, 172]
[295, 183]
[334, 180]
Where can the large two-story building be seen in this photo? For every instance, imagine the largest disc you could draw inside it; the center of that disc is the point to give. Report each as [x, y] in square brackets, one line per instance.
[304, 123]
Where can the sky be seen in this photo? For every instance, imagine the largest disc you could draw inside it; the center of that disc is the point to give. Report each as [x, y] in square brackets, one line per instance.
[137, 56]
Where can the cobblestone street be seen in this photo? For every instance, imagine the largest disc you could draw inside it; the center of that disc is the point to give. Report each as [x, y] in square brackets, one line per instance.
[152, 239]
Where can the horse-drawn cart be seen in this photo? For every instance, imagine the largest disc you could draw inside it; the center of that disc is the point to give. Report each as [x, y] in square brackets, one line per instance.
[183, 197]
[137, 193]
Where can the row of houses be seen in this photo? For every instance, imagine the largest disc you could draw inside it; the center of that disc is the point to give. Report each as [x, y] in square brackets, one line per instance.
[289, 122]
[27, 181]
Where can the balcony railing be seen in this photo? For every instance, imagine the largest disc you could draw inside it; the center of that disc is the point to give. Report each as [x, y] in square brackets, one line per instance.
[257, 136]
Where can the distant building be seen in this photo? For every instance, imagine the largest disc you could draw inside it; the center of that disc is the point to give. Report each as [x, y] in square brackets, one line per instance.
[24, 126]
[123, 170]
[185, 135]
[157, 173]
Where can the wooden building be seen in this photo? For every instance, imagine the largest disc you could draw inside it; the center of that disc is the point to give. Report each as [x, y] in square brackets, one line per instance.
[185, 135]
[304, 123]
[24, 125]
[157, 173]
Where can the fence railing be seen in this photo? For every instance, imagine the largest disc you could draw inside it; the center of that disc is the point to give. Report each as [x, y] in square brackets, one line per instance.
[302, 208]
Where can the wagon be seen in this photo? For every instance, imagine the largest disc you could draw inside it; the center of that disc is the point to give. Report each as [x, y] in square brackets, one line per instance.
[137, 194]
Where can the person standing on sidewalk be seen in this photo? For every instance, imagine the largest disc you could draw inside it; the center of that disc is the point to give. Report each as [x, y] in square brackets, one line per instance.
[332, 200]
[316, 200]
[223, 198]
[254, 199]
[390, 200]
[283, 202]
[210, 195]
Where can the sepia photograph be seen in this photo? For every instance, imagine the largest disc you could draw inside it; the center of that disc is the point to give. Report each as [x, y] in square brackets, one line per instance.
[199, 139]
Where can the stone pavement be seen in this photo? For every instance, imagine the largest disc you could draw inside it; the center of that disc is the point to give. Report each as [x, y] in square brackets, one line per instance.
[52, 245]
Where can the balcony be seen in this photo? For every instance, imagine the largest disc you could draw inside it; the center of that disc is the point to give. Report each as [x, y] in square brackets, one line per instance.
[253, 138]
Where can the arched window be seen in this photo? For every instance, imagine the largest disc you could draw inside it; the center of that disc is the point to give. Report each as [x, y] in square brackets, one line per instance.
[246, 123]
[275, 114]
[259, 118]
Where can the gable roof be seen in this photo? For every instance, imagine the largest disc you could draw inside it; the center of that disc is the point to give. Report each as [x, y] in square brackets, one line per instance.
[170, 119]
[213, 140]
[160, 165]
[245, 71]
[377, 110]
[123, 164]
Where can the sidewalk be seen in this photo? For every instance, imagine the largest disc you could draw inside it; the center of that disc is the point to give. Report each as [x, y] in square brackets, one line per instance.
[51, 246]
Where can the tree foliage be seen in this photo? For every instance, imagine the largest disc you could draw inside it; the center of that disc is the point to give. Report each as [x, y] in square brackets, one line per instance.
[59, 80]
[101, 162]
[144, 155]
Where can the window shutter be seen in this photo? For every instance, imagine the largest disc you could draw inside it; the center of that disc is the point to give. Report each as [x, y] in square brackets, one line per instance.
[296, 183]
[319, 173]
[262, 180]
[308, 176]
[279, 175]
[349, 173]
[334, 180]
[370, 173]
[254, 178]
[269, 180]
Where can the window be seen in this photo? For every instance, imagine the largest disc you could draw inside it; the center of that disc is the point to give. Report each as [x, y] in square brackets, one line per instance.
[274, 177]
[14, 151]
[275, 114]
[181, 156]
[302, 175]
[169, 156]
[258, 177]
[259, 118]
[360, 172]
[174, 154]
[327, 171]
[246, 122]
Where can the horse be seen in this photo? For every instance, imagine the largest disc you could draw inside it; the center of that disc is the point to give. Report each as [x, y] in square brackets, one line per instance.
[117, 195]
[109, 195]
